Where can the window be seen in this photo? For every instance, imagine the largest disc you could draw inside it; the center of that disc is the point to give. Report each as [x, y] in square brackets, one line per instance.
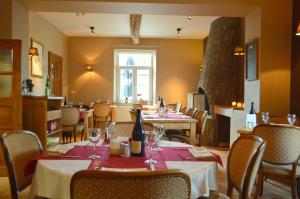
[134, 75]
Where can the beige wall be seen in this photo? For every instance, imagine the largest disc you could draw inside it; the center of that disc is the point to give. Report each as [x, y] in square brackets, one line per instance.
[53, 41]
[178, 63]
[20, 30]
[252, 88]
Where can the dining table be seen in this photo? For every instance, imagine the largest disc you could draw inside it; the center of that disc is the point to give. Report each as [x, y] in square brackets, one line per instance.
[172, 120]
[52, 175]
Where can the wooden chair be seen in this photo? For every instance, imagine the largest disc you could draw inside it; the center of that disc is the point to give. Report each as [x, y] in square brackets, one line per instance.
[70, 119]
[175, 107]
[101, 113]
[200, 117]
[243, 163]
[137, 106]
[191, 112]
[167, 184]
[282, 157]
[184, 110]
[19, 148]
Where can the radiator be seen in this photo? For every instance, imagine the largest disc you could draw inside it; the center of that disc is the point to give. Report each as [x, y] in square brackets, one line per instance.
[121, 114]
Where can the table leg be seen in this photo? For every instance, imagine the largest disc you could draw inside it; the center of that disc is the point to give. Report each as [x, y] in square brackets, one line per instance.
[193, 133]
[298, 187]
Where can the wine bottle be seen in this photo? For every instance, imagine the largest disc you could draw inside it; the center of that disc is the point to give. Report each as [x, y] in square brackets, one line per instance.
[137, 145]
[252, 111]
[65, 102]
[161, 103]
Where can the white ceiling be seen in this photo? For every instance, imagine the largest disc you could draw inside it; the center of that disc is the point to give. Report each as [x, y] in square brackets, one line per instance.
[117, 25]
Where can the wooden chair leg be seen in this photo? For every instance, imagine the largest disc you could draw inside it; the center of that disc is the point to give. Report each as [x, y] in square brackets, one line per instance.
[259, 184]
[229, 189]
[294, 188]
[81, 137]
[74, 135]
[63, 138]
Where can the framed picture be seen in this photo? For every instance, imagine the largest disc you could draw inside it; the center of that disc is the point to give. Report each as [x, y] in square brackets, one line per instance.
[252, 60]
[37, 61]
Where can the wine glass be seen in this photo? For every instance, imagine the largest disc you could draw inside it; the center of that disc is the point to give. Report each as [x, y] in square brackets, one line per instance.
[291, 118]
[265, 117]
[94, 136]
[160, 132]
[151, 140]
[80, 105]
[109, 132]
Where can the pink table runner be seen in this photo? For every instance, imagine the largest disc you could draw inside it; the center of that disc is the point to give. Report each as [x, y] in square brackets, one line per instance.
[109, 161]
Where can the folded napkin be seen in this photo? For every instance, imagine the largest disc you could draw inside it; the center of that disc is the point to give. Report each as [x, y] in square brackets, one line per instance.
[123, 169]
[201, 153]
[59, 149]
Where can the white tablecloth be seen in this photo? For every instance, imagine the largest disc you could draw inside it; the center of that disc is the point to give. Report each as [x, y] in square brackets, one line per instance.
[52, 177]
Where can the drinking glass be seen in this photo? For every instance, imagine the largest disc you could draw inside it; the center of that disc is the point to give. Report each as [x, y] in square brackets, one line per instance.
[94, 136]
[160, 132]
[291, 118]
[265, 117]
[150, 141]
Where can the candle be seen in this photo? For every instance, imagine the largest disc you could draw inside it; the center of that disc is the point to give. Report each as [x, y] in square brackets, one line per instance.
[239, 105]
[233, 104]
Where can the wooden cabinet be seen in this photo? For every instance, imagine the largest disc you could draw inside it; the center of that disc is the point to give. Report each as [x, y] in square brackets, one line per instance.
[42, 115]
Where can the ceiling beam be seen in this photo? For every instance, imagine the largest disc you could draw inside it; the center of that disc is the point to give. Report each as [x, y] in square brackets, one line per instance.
[135, 25]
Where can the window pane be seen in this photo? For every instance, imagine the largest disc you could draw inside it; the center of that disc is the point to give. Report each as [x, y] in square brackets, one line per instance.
[126, 84]
[135, 59]
[5, 85]
[142, 84]
[6, 60]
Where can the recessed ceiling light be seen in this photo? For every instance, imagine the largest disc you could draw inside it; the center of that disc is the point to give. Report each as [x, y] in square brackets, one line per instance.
[190, 17]
[81, 14]
[92, 28]
[179, 32]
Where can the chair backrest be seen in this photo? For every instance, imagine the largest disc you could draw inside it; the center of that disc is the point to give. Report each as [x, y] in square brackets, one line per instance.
[191, 112]
[283, 142]
[137, 106]
[132, 113]
[19, 148]
[167, 184]
[125, 128]
[243, 163]
[184, 110]
[70, 116]
[200, 116]
[101, 109]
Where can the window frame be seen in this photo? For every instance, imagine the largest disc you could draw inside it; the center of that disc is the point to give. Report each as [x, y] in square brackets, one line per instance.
[152, 74]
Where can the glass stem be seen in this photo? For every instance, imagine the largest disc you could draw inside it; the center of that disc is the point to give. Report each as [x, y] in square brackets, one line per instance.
[150, 153]
[94, 149]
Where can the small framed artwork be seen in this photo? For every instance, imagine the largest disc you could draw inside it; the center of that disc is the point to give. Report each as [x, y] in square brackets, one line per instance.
[37, 60]
[252, 60]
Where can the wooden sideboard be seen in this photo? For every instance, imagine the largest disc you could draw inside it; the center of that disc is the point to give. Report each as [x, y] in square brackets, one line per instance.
[38, 114]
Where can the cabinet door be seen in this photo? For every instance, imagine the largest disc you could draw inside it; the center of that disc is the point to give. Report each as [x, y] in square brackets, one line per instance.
[10, 90]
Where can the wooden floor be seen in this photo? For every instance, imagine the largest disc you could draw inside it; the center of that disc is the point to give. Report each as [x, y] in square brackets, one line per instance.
[271, 191]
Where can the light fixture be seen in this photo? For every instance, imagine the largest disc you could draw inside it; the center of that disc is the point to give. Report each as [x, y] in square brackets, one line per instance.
[190, 17]
[92, 28]
[179, 32]
[298, 30]
[33, 51]
[239, 51]
[89, 67]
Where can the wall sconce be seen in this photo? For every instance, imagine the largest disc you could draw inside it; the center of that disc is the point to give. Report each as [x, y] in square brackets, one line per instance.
[89, 67]
[33, 51]
[179, 32]
[239, 51]
[298, 30]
